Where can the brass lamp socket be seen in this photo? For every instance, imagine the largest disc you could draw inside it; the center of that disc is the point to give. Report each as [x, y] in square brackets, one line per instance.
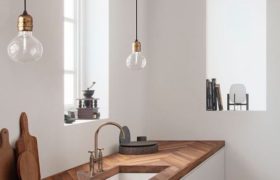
[136, 46]
[25, 22]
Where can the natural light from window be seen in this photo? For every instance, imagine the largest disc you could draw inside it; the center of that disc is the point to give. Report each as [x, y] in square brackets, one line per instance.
[86, 53]
[236, 48]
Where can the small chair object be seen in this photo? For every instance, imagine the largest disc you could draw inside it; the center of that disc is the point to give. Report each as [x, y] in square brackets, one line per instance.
[237, 97]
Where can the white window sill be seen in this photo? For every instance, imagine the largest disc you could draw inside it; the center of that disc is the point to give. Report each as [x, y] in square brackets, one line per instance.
[83, 121]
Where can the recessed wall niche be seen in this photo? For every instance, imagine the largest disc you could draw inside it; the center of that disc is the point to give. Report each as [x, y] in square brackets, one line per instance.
[236, 55]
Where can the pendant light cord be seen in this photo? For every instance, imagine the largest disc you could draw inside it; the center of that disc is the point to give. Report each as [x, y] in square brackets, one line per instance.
[24, 5]
[136, 20]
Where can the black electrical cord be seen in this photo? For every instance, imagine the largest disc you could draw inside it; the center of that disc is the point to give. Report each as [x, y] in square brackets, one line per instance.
[24, 5]
[136, 20]
[24, 11]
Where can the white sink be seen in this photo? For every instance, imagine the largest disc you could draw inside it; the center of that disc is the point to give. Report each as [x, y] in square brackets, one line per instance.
[132, 176]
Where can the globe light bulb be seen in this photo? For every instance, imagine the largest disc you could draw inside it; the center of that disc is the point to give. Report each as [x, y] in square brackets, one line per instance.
[136, 60]
[25, 48]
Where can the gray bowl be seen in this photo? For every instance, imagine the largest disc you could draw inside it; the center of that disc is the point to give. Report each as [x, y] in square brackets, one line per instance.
[88, 93]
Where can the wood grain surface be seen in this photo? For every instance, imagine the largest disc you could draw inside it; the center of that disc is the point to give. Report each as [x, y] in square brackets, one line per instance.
[27, 143]
[174, 160]
[27, 166]
[7, 157]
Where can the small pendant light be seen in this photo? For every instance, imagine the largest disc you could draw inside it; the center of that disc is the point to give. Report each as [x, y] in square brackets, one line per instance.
[25, 47]
[136, 60]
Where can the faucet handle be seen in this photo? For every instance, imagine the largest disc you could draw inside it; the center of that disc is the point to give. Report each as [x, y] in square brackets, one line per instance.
[100, 160]
[91, 153]
[99, 153]
[91, 163]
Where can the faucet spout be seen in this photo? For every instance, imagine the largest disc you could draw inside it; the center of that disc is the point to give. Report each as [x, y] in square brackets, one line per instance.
[97, 132]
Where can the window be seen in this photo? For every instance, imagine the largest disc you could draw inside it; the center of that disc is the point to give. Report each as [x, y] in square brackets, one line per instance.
[72, 53]
[86, 52]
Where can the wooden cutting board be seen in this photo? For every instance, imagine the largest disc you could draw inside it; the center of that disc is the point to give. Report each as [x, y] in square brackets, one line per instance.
[7, 157]
[26, 165]
[27, 143]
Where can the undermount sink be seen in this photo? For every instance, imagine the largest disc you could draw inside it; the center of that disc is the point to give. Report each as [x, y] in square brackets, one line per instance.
[120, 176]
[124, 173]
[134, 176]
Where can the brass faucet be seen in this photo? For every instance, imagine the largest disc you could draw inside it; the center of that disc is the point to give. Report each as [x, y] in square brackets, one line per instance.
[98, 151]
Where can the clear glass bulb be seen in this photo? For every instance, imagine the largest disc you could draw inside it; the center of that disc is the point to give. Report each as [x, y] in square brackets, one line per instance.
[25, 48]
[136, 61]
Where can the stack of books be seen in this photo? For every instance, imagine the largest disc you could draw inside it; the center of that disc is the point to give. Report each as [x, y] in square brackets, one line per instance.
[213, 96]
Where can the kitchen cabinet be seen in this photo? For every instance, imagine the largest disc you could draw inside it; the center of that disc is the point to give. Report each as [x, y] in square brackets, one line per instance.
[211, 169]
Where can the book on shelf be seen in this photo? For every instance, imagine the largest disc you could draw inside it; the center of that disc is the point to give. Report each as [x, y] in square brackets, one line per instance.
[213, 95]
[219, 97]
[207, 94]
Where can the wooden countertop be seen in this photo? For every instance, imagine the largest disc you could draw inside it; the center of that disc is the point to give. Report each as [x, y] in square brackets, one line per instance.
[174, 160]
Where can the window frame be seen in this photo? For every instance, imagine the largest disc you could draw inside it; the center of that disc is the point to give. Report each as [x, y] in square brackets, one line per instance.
[78, 66]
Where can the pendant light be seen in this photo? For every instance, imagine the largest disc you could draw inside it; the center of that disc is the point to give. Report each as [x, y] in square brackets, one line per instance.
[25, 47]
[136, 60]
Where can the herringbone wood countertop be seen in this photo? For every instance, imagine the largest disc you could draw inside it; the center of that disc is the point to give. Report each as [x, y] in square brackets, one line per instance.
[173, 161]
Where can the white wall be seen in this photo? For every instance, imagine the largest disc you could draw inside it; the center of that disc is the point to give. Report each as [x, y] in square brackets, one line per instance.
[236, 47]
[176, 92]
[38, 88]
